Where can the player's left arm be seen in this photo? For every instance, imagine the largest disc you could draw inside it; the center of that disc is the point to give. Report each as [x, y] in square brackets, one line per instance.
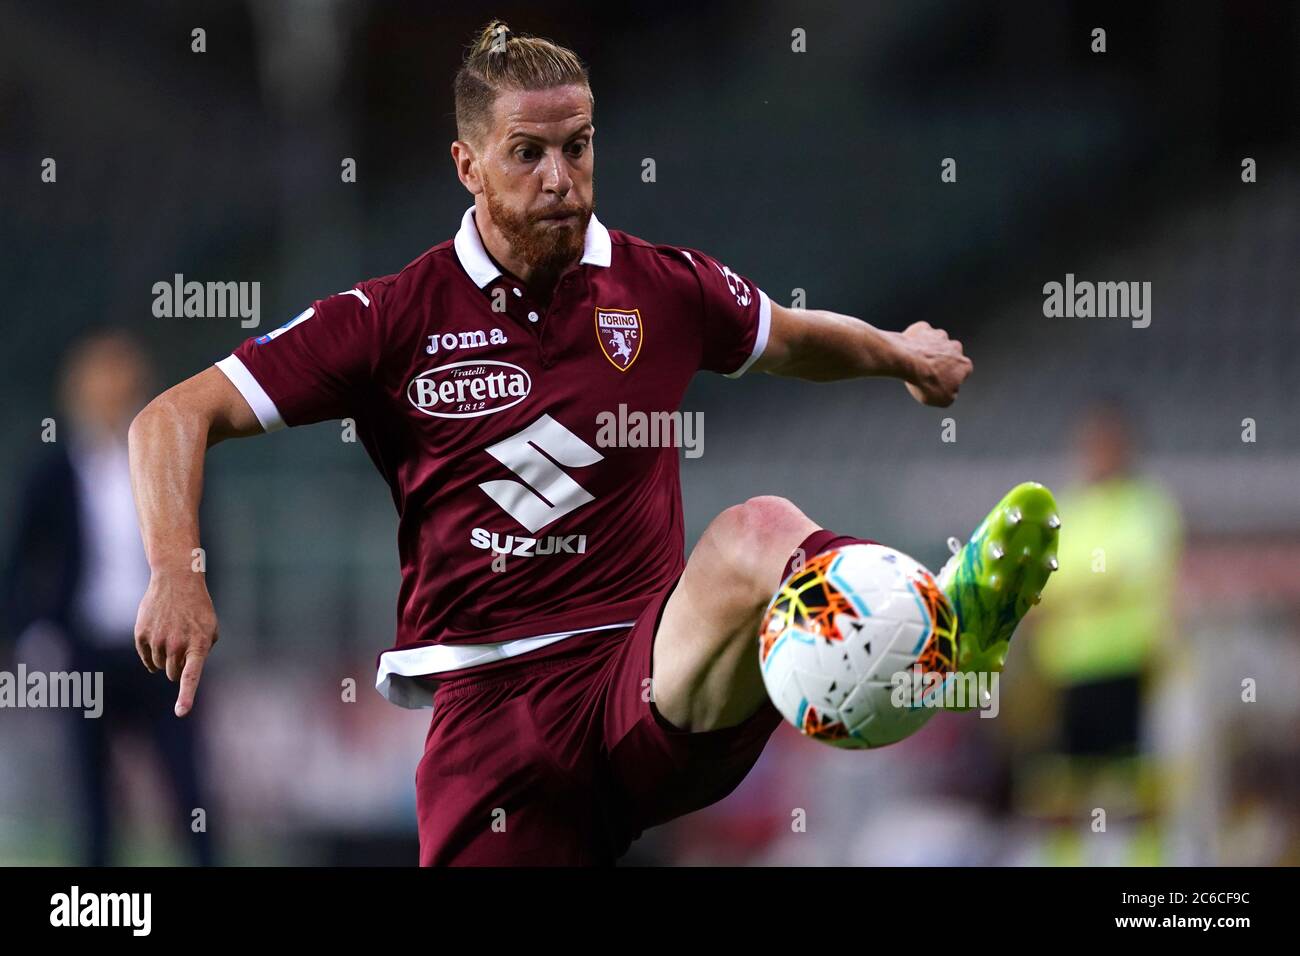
[824, 346]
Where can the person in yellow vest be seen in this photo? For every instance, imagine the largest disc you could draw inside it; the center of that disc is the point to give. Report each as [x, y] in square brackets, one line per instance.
[1111, 616]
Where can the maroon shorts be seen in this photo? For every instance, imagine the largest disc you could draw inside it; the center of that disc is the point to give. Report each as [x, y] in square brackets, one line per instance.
[564, 759]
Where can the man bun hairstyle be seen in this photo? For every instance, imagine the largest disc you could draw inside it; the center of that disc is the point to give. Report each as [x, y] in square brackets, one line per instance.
[499, 60]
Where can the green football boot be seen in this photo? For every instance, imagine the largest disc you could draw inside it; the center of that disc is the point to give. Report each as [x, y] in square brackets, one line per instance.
[999, 574]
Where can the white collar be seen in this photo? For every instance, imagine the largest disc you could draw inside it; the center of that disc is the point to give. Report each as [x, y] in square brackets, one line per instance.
[596, 249]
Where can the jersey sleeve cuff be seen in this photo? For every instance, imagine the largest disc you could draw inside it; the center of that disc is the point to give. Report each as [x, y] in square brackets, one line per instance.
[760, 337]
[253, 393]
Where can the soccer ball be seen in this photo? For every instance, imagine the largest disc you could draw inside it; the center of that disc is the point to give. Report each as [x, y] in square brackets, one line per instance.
[844, 633]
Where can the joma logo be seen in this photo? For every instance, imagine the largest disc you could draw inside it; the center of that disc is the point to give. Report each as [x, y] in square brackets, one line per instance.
[477, 339]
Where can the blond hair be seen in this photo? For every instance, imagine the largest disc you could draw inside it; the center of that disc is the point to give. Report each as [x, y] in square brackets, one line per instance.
[500, 60]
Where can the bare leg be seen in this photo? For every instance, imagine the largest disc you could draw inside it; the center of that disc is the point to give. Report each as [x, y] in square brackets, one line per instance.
[705, 663]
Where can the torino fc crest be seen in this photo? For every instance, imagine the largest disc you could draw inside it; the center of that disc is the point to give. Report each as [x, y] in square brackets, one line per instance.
[619, 333]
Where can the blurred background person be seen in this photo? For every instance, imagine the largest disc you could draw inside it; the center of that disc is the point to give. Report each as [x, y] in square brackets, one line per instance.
[1098, 643]
[74, 576]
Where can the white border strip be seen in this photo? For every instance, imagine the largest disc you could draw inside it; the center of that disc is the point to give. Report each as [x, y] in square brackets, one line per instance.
[397, 667]
[760, 338]
[597, 247]
[469, 250]
[253, 393]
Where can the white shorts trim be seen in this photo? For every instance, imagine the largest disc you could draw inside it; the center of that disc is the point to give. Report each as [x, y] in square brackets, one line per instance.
[395, 678]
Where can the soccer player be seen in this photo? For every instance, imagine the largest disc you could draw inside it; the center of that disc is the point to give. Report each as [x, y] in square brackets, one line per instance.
[589, 681]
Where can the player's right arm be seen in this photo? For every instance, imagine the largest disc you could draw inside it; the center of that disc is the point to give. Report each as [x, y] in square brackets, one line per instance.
[313, 368]
[176, 625]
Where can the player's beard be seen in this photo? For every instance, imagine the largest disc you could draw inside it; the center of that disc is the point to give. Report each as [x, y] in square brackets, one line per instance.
[548, 250]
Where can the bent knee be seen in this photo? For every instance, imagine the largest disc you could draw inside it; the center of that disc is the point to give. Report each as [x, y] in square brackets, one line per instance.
[752, 542]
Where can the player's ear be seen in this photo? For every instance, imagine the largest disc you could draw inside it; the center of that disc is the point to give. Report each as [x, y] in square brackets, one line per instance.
[462, 154]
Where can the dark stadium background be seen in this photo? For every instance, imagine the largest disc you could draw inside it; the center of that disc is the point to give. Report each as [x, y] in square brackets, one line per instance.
[817, 171]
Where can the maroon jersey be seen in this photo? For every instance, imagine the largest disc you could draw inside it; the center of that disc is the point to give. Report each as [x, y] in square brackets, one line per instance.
[520, 521]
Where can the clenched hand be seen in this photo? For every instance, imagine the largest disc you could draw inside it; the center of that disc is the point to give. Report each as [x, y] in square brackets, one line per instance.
[939, 365]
